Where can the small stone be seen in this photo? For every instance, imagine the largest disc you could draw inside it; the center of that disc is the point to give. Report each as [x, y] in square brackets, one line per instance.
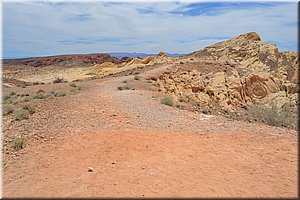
[114, 162]
[114, 115]
[90, 169]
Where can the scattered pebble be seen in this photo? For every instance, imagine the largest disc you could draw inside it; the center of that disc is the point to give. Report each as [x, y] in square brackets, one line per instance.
[90, 169]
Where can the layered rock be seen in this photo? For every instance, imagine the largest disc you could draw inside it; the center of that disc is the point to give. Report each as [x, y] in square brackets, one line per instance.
[132, 63]
[64, 60]
[230, 74]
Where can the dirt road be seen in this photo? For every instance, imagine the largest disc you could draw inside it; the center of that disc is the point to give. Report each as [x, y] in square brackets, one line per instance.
[139, 147]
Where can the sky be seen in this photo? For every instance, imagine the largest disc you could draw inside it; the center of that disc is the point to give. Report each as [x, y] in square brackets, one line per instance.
[41, 28]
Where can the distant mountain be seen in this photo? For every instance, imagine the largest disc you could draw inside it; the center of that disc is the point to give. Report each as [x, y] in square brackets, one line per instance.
[141, 55]
[64, 60]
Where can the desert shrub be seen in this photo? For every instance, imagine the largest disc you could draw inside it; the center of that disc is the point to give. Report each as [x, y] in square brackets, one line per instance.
[24, 95]
[21, 114]
[167, 101]
[59, 93]
[135, 73]
[125, 81]
[59, 80]
[6, 97]
[272, 115]
[22, 85]
[11, 98]
[73, 85]
[181, 107]
[8, 109]
[126, 87]
[40, 96]
[40, 91]
[73, 89]
[12, 93]
[31, 107]
[35, 83]
[25, 99]
[18, 143]
[181, 99]
[136, 77]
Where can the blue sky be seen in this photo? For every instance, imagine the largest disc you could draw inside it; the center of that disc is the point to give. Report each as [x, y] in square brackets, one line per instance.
[40, 28]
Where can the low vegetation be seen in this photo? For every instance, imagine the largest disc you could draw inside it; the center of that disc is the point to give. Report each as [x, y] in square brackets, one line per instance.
[8, 109]
[272, 116]
[74, 88]
[24, 105]
[181, 107]
[21, 114]
[18, 143]
[167, 101]
[125, 87]
[30, 106]
[59, 80]
[58, 93]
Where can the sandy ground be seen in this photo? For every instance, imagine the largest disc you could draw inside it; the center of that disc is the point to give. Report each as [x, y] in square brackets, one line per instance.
[139, 147]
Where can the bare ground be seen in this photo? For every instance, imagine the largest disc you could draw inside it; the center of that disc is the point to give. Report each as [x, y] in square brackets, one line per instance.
[139, 147]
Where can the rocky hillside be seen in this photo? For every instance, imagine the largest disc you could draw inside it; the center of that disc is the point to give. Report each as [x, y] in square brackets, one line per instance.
[64, 60]
[233, 74]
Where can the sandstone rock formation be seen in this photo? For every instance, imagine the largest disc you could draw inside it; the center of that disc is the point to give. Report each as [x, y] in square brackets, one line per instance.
[233, 73]
[133, 63]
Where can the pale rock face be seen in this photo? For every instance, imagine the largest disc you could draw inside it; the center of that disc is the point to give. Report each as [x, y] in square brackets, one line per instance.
[243, 70]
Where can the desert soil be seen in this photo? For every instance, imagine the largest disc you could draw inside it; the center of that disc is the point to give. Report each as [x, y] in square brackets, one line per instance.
[139, 147]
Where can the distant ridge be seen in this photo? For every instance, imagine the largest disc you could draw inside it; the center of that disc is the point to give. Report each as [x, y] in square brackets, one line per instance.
[141, 55]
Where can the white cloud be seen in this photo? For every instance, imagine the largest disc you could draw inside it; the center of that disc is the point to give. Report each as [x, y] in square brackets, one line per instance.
[38, 28]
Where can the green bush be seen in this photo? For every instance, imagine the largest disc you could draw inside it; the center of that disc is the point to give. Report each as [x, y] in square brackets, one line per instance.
[21, 114]
[167, 101]
[18, 143]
